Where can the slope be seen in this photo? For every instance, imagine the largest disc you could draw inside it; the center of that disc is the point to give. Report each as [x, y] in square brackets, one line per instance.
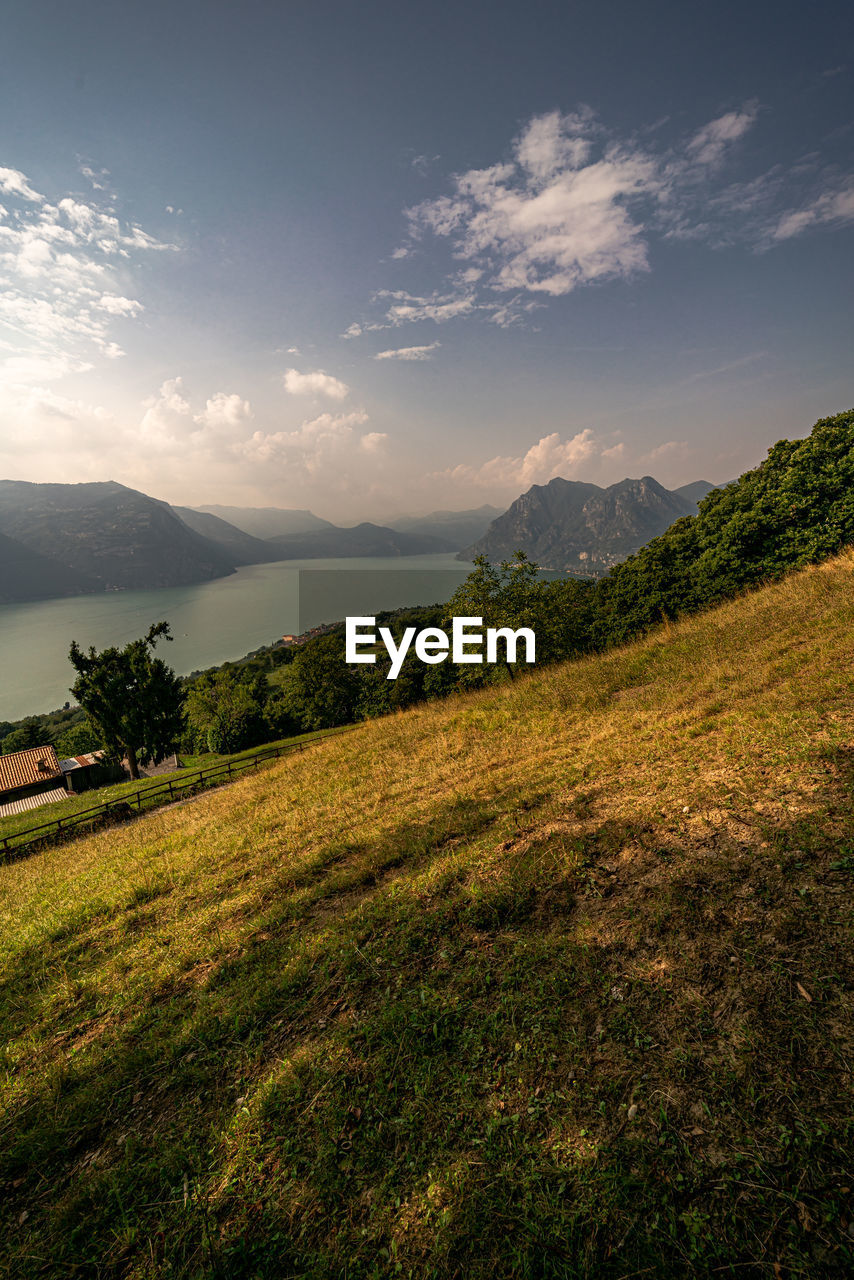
[545, 981]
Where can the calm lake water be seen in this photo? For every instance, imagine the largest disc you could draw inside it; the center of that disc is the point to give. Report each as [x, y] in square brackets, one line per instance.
[211, 622]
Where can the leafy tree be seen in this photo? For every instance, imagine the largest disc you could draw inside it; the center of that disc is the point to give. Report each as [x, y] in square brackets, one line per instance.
[224, 713]
[320, 690]
[28, 734]
[77, 740]
[511, 595]
[133, 700]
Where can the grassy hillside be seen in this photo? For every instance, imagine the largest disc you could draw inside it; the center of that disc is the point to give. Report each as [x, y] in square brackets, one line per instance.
[14, 824]
[543, 981]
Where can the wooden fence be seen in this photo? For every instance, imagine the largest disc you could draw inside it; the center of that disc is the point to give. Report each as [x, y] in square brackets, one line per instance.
[173, 788]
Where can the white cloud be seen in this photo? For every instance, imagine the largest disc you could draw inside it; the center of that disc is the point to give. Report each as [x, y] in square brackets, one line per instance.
[170, 422]
[224, 412]
[549, 457]
[329, 452]
[554, 218]
[409, 353]
[407, 307]
[60, 265]
[118, 306]
[709, 144]
[354, 331]
[574, 205]
[669, 449]
[15, 183]
[832, 207]
[315, 383]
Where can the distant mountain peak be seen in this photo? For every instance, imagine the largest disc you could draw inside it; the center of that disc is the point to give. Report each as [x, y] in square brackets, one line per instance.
[582, 527]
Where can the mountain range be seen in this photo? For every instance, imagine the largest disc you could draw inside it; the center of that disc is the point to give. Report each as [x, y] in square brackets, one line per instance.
[582, 528]
[71, 539]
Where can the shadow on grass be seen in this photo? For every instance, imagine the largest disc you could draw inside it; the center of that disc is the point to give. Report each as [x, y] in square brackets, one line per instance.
[588, 1057]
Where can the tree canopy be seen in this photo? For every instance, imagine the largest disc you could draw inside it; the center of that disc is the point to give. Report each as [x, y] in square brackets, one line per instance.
[133, 700]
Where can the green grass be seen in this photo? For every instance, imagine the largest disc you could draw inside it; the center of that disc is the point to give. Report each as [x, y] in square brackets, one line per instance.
[546, 981]
[15, 823]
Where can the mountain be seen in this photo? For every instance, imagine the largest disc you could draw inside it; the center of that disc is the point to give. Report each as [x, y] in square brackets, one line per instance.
[696, 490]
[457, 527]
[239, 547]
[99, 537]
[27, 575]
[567, 524]
[363, 540]
[268, 522]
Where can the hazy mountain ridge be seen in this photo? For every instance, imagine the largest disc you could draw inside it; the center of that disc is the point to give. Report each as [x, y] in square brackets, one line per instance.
[240, 547]
[583, 528]
[460, 527]
[100, 536]
[267, 522]
[364, 539]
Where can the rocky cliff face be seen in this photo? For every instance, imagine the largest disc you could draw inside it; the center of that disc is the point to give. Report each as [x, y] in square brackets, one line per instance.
[583, 528]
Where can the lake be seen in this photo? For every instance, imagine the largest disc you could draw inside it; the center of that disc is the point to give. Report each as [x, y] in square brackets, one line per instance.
[212, 622]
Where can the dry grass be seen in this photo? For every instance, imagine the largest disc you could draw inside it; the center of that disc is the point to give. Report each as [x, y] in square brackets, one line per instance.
[548, 980]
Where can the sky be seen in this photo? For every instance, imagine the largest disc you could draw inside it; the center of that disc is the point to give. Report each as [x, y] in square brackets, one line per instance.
[374, 258]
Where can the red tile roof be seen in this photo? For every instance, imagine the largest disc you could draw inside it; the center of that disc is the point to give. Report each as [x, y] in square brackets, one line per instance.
[23, 768]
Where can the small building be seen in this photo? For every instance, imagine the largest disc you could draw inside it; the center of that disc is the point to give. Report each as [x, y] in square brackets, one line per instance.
[91, 769]
[29, 779]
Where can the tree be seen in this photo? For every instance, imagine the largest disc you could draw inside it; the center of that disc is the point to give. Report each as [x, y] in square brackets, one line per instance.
[224, 713]
[133, 700]
[508, 596]
[320, 690]
[77, 740]
[28, 734]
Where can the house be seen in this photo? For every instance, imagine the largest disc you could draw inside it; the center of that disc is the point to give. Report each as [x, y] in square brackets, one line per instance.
[91, 769]
[28, 779]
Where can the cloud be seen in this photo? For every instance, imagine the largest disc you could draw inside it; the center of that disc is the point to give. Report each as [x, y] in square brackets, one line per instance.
[409, 353]
[315, 383]
[170, 422]
[328, 451]
[554, 218]
[549, 457]
[407, 307]
[115, 305]
[60, 267]
[354, 331]
[709, 144]
[574, 205]
[224, 412]
[830, 208]
[14, 183]
[669, 449]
